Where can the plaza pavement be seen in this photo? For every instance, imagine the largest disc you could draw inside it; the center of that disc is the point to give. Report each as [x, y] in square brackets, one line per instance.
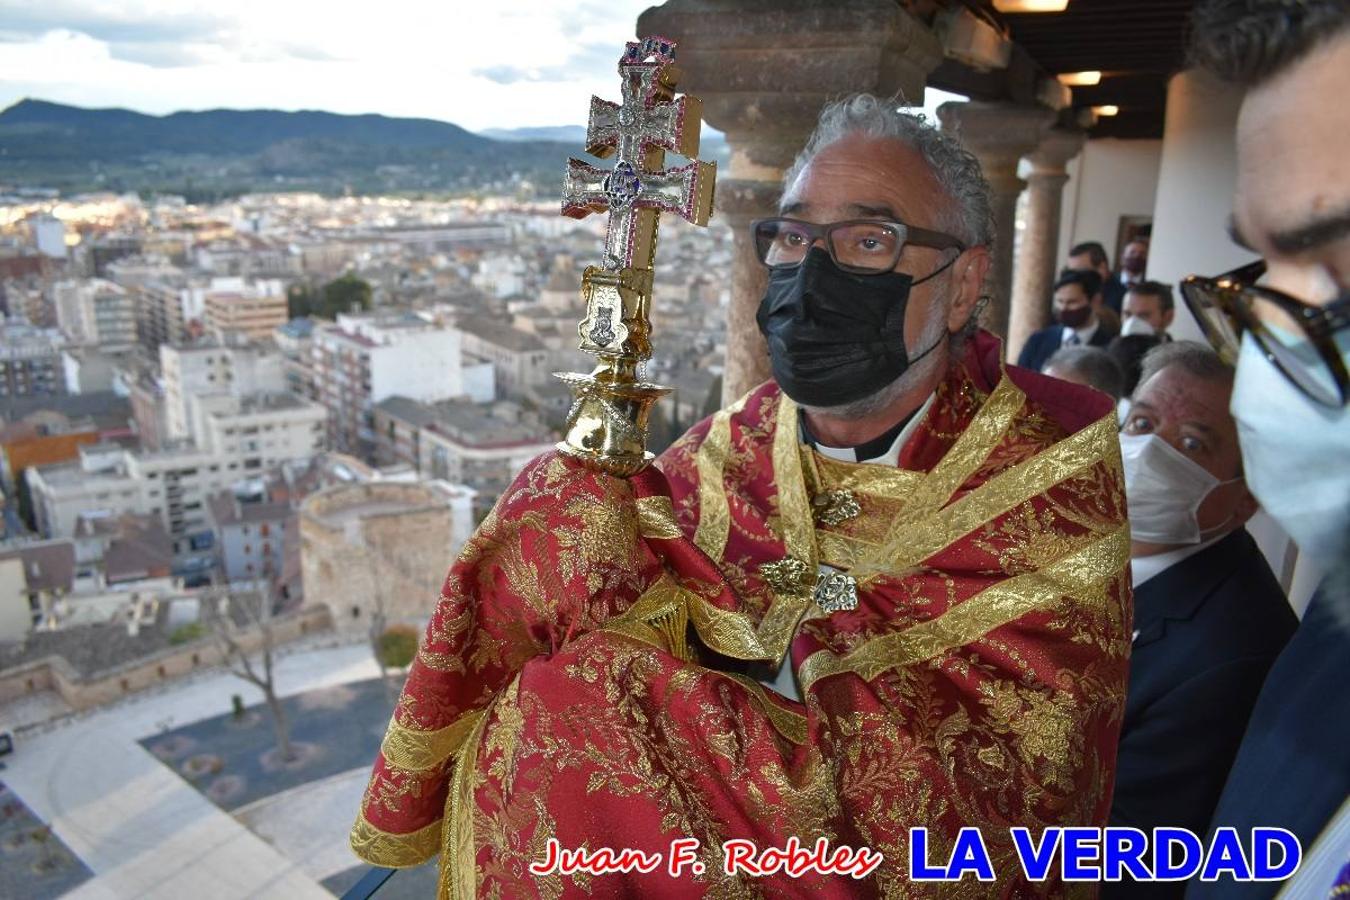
[146, 833]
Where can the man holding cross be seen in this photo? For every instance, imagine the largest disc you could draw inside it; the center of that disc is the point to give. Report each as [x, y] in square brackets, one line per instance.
[887, 589]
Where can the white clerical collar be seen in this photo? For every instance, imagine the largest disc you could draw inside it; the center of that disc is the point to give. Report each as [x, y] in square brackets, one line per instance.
[1142, 568]
[1084, 334]
[891, 455]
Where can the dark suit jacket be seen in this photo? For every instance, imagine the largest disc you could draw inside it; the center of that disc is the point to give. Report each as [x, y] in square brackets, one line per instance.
[1113, 292]
[1208, 629]
[1043, 344]
[1293, 768]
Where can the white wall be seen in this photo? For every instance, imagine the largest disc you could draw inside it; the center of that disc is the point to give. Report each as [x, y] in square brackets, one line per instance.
[424, 365]
[1109, 179]
[1195, 188]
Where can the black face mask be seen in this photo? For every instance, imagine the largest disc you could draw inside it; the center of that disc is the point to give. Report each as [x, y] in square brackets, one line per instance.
[835, 337]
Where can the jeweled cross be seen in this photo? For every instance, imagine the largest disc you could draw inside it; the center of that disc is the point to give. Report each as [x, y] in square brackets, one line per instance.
[638, 131]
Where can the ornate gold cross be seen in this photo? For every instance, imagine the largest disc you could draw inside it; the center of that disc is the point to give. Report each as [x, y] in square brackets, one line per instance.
[607, 424]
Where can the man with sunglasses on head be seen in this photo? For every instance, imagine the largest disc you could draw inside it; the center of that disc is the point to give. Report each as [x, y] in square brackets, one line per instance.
[935, 542]
[1290, 336]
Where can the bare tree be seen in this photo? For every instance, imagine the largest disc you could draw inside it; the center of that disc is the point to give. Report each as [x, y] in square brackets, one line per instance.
[221, 624]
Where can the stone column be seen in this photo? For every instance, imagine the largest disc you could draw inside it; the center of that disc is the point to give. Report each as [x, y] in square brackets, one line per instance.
[1035, 269]
[763, 70]
[999, 134]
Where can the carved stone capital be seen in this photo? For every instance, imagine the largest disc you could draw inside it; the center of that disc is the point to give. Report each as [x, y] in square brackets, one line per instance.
[764, 69]
[999, 134]
[1052, 155]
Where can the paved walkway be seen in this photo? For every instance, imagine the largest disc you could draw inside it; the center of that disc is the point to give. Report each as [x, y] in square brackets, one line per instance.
[141, 829]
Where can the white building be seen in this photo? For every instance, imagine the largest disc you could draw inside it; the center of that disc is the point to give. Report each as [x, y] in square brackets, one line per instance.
[49, 236]
[364, 359]
[234, 438]
[94, 311]
[500, 274]
[519, 359]
[215, 367]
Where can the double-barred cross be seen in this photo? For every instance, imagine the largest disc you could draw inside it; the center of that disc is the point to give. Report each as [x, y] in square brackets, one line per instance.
[638, 131]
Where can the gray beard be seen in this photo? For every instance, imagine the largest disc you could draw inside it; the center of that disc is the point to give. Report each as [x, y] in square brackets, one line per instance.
[933, 332]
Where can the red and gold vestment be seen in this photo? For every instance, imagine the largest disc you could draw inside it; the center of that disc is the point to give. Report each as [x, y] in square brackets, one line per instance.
[579, 677]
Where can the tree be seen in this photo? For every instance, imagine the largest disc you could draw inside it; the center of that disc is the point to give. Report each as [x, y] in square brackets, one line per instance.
[344, 295]
[301, 301]
[217, 612]
[397, 646]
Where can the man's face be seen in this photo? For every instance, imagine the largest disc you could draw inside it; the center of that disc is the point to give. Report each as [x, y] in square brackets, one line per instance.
[1293, 192]
[1134, 259]
[1149, 308]
[1191, 414]
[1070, 297]
[868, 178]
[1083, 263]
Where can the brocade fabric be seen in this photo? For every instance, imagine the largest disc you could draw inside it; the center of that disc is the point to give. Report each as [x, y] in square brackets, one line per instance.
[583, 677]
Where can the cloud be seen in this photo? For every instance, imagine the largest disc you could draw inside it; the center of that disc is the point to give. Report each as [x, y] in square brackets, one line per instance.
[591, 61]
[131, 23]
[532, 62]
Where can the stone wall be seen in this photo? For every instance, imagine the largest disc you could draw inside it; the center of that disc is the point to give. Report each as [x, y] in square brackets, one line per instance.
[372, 546]
[53, 673]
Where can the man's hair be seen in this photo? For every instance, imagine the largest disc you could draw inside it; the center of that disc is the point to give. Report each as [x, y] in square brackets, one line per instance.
[1128, 350]
[1155, 289]
[1095, 251]
[1087, 279]
[1092, 364]
[1248, 42]
[1196, 358]
[971, 215]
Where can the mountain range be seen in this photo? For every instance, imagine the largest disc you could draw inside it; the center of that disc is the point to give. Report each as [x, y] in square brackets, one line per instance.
[221, 152]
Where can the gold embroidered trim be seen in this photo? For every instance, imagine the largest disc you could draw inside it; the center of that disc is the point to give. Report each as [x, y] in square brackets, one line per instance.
[394, 851]
[416, 750]
[459, 853]
[963, 459]
[714, 513]
[794, 506]
[1080, 574]
[789, 724]
[915, 541]
[660, 617]
[870, 479]
[656, 518]
[728, 633]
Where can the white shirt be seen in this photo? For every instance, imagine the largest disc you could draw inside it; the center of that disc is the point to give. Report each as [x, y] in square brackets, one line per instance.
[1143, 568]
[1084, 334]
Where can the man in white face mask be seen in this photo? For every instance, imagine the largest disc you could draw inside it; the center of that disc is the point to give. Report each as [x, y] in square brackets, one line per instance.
[1209, 618]
[1148, 310]
[1292, 208]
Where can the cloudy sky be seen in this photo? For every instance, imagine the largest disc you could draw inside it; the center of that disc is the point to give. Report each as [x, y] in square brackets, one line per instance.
[487, 64]
[478, 64]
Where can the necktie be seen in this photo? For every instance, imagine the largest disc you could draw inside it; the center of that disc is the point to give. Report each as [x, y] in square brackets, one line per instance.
[1074, 340]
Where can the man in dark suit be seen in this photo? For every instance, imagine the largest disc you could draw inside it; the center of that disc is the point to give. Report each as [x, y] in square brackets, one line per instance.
[1209, 616]
[1291, 207]
[1076, 321]
[1091, 256]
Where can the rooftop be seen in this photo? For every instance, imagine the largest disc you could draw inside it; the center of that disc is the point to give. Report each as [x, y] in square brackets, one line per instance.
[47, 566]
[501, 334]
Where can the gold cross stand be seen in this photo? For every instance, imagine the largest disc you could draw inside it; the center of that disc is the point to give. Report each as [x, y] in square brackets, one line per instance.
[607, 424]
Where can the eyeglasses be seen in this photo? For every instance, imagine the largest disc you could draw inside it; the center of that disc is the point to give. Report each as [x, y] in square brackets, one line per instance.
[1297, 337]
[862, 246]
